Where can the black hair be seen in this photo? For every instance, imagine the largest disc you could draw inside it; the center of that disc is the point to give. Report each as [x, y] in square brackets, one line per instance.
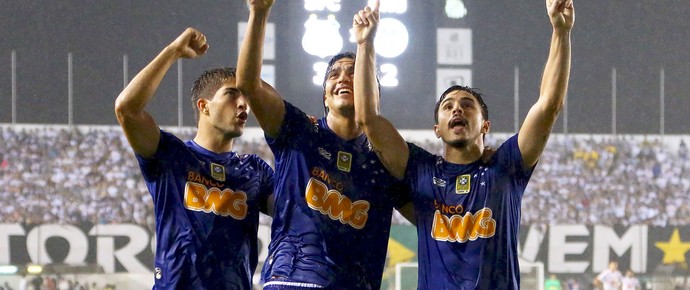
[208, 83]
[473, 92]
[331, 62]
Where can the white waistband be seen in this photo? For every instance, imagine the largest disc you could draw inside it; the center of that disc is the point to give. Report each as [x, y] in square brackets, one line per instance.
[294, 284]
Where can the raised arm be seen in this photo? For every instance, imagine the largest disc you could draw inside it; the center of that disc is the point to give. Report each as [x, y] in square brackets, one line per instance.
[140, 128]
[536, 128]
[387, 142]
[266, 103]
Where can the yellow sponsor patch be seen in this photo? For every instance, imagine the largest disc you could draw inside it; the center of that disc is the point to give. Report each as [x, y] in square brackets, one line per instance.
[344, 161]
[462, 184]
[218, 172]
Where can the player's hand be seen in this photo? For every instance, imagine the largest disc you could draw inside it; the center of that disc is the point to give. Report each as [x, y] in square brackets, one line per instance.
[190, 44]
[260, 5]
[561, 13]
[365, 22]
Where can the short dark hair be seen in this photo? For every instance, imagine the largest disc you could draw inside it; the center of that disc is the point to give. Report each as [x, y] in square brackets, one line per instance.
[477, 95]
[331, 62]
[208, 83]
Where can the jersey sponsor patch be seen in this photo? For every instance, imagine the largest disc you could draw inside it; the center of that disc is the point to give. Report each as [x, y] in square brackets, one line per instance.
[336, 205]
[462, 184]
[218, 171]
[198, 197]
[344, 161]
[463, 227]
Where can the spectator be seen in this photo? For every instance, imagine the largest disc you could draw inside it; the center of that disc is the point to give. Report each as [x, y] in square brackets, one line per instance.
[59, 176]
[552, 283]
[630, 282]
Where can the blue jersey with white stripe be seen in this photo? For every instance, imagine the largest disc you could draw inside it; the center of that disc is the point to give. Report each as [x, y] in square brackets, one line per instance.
[468, 218]
[334, 201]
[207, 214]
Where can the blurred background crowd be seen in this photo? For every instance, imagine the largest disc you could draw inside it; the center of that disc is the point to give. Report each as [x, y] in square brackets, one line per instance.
[89, 174]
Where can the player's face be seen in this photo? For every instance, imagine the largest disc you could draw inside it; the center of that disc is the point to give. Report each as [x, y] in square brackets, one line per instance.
[228, 110]
[460, 120]
[339, 91]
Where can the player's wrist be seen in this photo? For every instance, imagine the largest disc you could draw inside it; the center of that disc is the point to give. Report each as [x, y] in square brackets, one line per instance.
[172, 51]
[259, 13]
[366, 44]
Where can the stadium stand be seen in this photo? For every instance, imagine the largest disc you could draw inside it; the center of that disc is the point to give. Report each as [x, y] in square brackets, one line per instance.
[74, 174]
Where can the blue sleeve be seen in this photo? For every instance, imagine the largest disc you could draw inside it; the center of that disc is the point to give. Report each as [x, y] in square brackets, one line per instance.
[296, 124]
[509, 158]
[415, 165]
[266, 184]
[168, 146]
[402, 187]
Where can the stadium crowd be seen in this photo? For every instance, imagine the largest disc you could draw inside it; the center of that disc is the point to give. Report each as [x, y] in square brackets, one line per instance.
[74, 175]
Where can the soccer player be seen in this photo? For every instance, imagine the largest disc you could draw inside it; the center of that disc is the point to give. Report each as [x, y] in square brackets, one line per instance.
[609, 279]
[467, 210]
[630, 282]
[334, 198]
[206, 197]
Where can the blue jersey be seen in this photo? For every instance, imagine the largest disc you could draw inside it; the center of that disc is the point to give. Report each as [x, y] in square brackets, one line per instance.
[207, 214]
[468, 218]
[334, 201]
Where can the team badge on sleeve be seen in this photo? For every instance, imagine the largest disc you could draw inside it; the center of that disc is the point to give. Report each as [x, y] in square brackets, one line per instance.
[218, 172]
[462, 184]
[344, 161]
